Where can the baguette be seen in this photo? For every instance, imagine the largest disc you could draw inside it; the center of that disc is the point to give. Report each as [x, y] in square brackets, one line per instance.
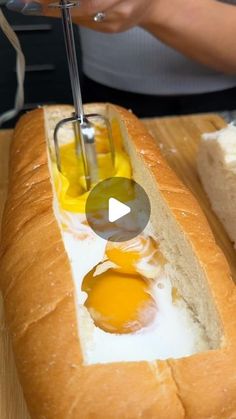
[217, 170]
[40, 297]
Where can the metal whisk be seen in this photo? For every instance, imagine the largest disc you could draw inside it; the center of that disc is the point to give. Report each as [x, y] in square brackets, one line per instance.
[83, 125]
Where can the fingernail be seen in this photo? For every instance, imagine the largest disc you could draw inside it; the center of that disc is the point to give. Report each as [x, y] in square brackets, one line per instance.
[15, 5]
[33, 8]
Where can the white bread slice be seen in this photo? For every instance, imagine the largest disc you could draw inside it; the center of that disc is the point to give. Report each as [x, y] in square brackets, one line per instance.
[217, 170]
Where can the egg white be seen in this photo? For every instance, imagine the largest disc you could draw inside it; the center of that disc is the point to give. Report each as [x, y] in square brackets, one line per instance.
[174, 333]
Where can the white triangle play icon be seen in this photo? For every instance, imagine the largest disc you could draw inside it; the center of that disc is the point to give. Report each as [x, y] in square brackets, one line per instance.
[116, 210]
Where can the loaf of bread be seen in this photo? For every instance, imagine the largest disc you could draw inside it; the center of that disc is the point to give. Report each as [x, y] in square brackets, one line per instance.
[61, 375]
[217, 171]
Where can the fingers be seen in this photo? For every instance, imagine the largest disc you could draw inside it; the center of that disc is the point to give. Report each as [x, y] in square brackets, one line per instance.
[122, 16]
[92, 7]
[22, 6]
[119, 15]
[113, 17]
[84, 9]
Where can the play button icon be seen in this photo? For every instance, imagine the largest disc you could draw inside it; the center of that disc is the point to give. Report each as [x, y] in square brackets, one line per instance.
[117, 209]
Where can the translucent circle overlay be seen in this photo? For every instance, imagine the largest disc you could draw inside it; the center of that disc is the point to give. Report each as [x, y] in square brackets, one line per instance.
[126, 191]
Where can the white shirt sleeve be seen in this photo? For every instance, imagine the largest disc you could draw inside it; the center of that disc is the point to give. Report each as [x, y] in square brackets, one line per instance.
[136, 61]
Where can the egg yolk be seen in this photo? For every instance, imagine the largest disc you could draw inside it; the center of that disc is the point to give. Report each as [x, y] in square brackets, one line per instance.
[70, 182]
[119, 298]
[128, 256]
[119, 303]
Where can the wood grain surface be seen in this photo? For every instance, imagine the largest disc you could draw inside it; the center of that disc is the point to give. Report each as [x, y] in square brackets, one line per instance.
[178, 138]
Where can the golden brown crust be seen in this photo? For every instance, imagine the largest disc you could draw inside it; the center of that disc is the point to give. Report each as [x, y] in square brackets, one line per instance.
[193, 222]
[207, 384]
[39, 300]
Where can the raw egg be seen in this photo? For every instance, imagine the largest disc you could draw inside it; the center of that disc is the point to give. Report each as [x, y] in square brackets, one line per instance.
[70, 182]
[119, 303]
[119, 289]
[140, 254]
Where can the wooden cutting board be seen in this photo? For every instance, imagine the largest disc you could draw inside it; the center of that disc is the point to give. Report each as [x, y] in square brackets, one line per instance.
[178, 138]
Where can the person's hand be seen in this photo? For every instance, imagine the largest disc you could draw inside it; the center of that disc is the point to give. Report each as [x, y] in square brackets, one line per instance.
[191, 27]
[101, 15]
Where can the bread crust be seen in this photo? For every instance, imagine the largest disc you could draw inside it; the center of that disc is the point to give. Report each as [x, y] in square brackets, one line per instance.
[38, 292]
